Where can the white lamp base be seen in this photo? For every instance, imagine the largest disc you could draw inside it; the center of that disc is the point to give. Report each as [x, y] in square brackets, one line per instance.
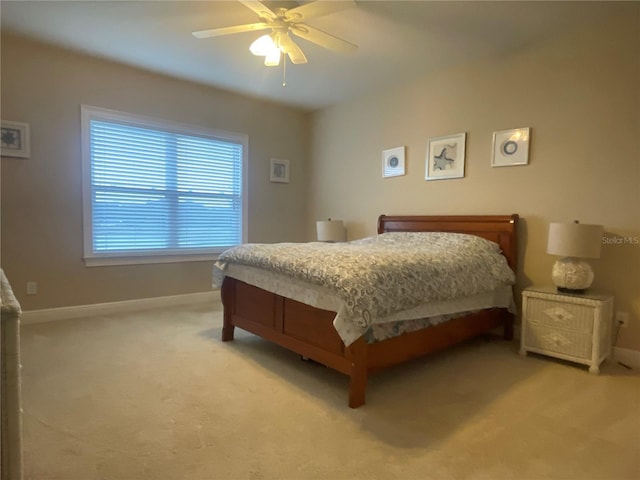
[572, 275]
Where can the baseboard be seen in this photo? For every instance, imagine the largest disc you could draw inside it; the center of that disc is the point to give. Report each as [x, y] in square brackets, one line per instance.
[627, 356]
[79, 311]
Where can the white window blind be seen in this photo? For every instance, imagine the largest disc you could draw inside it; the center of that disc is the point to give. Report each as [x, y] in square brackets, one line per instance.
[155, 188]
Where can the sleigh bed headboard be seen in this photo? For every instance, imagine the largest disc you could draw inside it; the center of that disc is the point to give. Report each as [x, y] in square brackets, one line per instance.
[501, 229]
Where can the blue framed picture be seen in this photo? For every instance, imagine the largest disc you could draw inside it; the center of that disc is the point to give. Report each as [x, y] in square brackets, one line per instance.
[393, 162]
[511, 147]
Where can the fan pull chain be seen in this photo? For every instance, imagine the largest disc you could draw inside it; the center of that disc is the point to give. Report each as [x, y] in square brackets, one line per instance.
[284, 70]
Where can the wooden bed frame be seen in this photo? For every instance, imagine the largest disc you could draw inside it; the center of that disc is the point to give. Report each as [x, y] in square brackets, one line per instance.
[309, 331]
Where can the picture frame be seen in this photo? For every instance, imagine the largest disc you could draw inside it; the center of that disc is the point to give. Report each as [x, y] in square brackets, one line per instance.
[279, 170]
[14, 139]
[446, 157]
[511, 147]
[393, 162]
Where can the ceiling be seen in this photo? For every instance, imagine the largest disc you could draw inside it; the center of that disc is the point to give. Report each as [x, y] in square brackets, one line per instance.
[397, 40]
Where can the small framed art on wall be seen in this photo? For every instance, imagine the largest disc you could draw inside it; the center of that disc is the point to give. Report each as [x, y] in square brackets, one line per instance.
[15, 139]
[279, 170]
[445, 157]
[393, 162]
[510, 147]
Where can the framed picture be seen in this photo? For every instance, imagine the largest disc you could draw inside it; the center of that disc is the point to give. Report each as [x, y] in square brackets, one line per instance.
[510, 147]
[15, 139]
[279, 170]
[445, 157]
[393, 162]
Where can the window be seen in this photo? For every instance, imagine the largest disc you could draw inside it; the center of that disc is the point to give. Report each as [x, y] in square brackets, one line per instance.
[155, 191]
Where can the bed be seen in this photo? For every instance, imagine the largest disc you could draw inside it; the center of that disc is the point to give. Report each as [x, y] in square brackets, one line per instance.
[310, 331]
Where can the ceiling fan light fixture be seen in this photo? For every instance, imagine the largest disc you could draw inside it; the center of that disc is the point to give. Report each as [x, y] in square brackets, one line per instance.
[272, 59]
[263, 46]
[282, 22]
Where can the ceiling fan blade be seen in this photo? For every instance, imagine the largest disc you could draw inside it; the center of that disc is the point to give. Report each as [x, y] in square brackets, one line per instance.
[323, 39]
[289, 47]
[260, 9]
[317, 9]
[216, 32]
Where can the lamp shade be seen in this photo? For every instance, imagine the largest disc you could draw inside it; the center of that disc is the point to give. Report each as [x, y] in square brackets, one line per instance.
[263, 46]
[266, 47]
[575, 240]
[331, 231]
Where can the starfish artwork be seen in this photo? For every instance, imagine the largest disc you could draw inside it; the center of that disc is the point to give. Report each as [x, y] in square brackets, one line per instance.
[446, 158]
[10, 139]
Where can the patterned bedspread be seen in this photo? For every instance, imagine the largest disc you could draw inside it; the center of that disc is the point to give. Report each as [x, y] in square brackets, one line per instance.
[386, 273]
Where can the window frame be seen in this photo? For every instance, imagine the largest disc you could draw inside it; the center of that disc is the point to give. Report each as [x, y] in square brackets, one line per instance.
[91, 258]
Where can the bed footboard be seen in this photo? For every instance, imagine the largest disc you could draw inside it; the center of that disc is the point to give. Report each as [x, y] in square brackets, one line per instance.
[301, 328]
[309, 332]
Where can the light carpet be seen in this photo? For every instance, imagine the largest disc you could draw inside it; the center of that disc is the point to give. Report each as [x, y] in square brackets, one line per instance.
[156, 395]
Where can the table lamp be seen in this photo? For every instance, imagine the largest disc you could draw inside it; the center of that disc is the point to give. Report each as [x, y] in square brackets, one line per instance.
[331, 231]
[573, 242]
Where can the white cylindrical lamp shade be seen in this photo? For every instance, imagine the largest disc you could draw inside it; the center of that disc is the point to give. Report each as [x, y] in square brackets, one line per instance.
[331, 231]
[575, 240]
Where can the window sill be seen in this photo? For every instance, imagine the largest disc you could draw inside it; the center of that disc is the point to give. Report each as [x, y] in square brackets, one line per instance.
[141, 260]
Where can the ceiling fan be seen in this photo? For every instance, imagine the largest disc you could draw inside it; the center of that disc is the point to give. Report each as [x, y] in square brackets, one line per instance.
[283, 22]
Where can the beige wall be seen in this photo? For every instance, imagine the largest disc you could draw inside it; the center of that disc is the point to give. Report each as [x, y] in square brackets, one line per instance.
[41, 197]
[580, 94]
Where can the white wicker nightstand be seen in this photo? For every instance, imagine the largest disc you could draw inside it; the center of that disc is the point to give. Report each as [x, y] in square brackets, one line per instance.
[571, 327]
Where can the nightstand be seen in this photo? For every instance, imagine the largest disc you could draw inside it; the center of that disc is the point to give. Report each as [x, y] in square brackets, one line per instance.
[571, 327]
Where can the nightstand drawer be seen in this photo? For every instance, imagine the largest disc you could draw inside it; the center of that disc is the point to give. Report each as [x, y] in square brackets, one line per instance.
[560, 314]
[554, 339]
